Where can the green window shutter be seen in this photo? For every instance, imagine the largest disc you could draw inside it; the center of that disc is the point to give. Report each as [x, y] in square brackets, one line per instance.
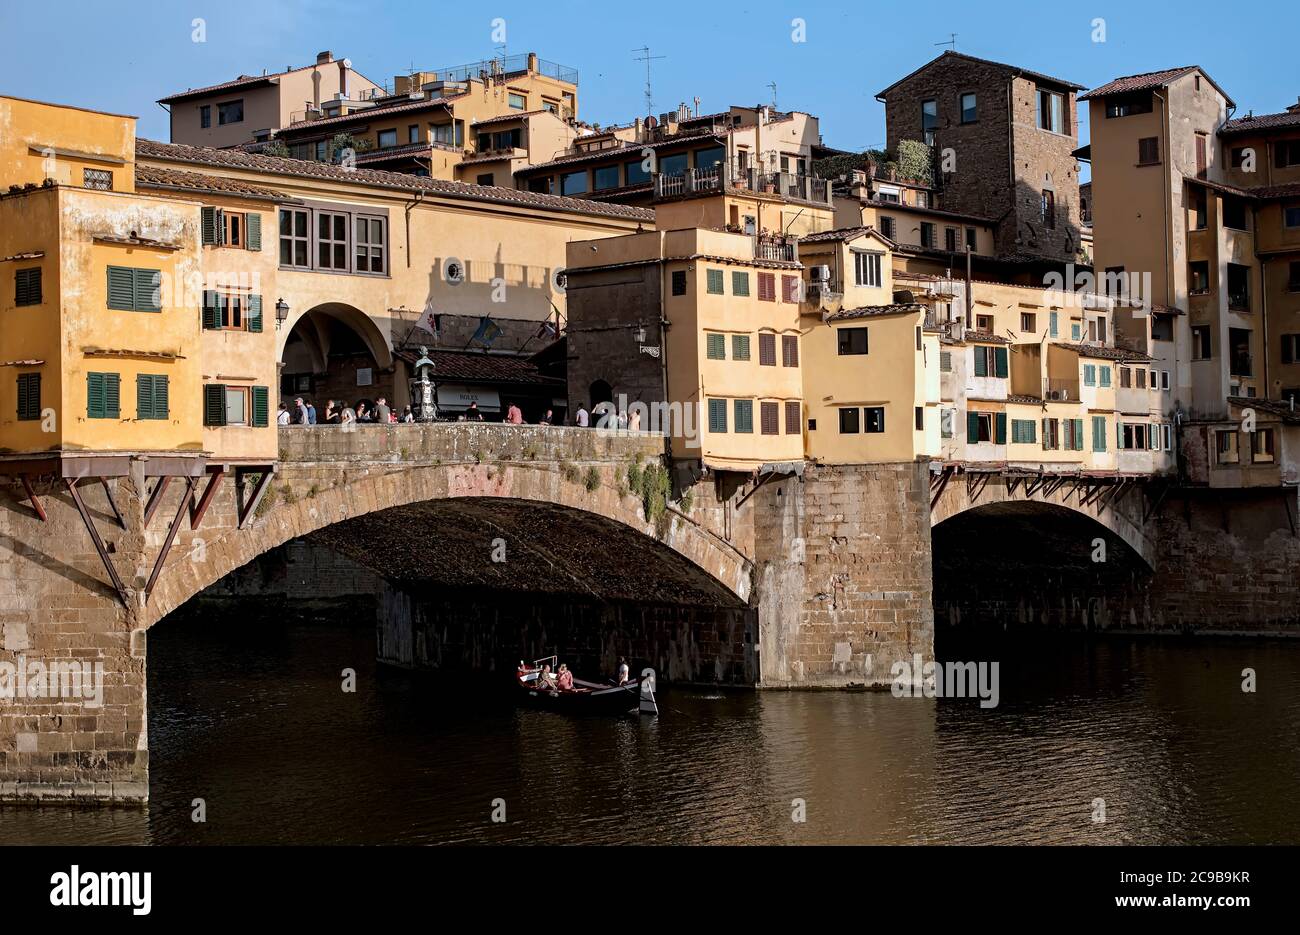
[96, 391]
[29, 396]
[744, 416]
[211, 310]
[740, 347]
[1098, 433]
[717, 415]
[1001, 422]
[981, 362]
[1074, 332]
[147, 285]
[161, 397]
[254, 313]
[261, 406]
[1105, 376]
[214, 404]
[972, 427]
[714, 278]
[739, 283]
[253, 232]
[1089, 375]
[1078, 434]
[112, 396]
[143, 396]
[208, 226]
[716, 346]
[27, 286]
[1000, 361]
[121, 288]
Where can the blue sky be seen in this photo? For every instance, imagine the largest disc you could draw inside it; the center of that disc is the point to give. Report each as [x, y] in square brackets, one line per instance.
[121, 56]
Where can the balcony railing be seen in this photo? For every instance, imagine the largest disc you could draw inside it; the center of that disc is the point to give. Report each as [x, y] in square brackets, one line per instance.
[719, 178]
[1239, 301]
[774, 250]
[689, 182]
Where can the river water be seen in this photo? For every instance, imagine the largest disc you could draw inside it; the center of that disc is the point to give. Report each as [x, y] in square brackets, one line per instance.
[250, 717]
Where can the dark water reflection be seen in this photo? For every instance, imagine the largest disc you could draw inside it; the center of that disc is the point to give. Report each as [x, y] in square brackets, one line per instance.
[250, 717]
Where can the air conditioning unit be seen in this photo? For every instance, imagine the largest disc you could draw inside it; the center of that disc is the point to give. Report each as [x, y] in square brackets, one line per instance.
[821, 274]
[1058, 394]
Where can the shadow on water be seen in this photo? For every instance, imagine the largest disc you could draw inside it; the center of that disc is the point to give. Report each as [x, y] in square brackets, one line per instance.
[250, 716]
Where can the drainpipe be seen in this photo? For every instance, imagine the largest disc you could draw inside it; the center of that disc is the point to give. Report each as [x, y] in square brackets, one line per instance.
[1165, 198]
[419, 197]
[663, 350]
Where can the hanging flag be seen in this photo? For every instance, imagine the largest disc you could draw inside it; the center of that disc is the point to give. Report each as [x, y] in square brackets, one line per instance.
[547, 329]
[428, 321]
[488, 331]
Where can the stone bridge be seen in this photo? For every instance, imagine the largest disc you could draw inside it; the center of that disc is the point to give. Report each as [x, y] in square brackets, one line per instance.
[773, 581]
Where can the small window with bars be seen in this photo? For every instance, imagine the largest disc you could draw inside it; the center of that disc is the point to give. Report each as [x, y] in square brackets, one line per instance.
[98, 179]
[679, 282]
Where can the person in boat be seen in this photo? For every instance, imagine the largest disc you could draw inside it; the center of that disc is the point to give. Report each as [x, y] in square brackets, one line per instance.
[565, 680]
[623, 675]
[545, 679]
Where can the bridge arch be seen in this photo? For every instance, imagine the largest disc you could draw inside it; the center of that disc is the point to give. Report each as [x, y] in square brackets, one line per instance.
[311, 335]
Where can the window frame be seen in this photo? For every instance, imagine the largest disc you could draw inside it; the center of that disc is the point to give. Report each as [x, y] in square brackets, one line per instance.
[222, 120]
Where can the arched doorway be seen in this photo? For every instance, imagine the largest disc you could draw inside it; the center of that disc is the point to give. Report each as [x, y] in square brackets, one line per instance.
[336, 351]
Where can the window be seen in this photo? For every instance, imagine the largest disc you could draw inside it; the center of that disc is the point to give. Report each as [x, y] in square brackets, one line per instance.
[674, 164]
[1098, 433]
[1286, 153]
[223, 312]
[1293, 276]
[740, 347]
[767, 350]
[1053, 324]
[1138, 436]
[790, 288]
[1051, 435]
[990, 361]
[717, 415]
[1201, 349]
[1234, 214]
[103, 396]
[714, 281]
[29, 397]
[852, 341]
[919, 344]
[573, 183]
[1024, 432]
[1089, 374]
[873, 419]
[970, 239]
[710, 158]
[1167, 437]
[1073, 434]
[1290, 348]
[1149, 151]
[769, 419]
[1291, 216]
[679, 282]
[1076, 330]
[986, 427]
[927, 234]
[850, 421]
[793, 412]
[789, 350]
[1225, 446]
[1198, 277]
[969, 110]
[1261, 447]
[887, 227]
[740, 282]
[1048, 208]
[1125, 378]
[445, 133]
[413, 133]
[518, 101]
[205, 116]
[151, 396]
[743, 410]
[370, 247]
[929, 120]
[984, 323]
[766, 287]
[487, 178]
[236, 405]
[604, 177]
[918, 418]
[27, 286]
[1103, 377]
[635, 172]
[715, 346]
[1051, 111]
[1028, 322]
[134, 290]
[1199, 209]
[1164, 379]
[387, 139]
[1129, 104]
[1140, 378]
[230, 112]
[866, 269]
[1238, 287]
[294, 238]
[950, 239]
[331, 240]
[98, 179]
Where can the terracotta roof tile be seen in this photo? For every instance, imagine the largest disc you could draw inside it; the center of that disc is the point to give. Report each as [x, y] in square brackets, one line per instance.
[178, 180]
[367, 113]
[243, 81]
[1254, 122]
[504, 118]
[1143, 82]
[301, 168]
[873, 311]
[482, 367]
[1105, 353]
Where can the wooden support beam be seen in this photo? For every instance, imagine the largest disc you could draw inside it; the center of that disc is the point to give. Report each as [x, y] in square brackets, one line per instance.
[1012, 482]
[155, 498]
[31, 495]
[1154, 507]
[1290, 517]
[71, 484]
[108, 492]
[943, 485]
[186, 497]
[981, 482]
[247, 510]
[209, 492]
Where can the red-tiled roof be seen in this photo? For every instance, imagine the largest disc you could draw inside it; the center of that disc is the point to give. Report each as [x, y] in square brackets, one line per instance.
[243, 81]
[873, 311]
[1255, 122]
[301, 168]
[368, 113]
[1105, 353]
[1012, 69]
[983, 337]
[842, 234]
[178, 180]
[1151, 80]
[623, 150]
[482, 367]
[503, 118]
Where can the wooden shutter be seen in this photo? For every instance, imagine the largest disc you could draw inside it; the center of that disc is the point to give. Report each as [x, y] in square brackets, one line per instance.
[789, 350]
[790, 288]
[769, 418]
[144, 401]
[793, 413]
[27, 286]
[981, 362]
[1078, 434]
[253, 231]
[121, 288]
[208, 226]
[214, 404]
[161, 397]
[146, 285]
[740, 282]
[717, 415]
[1000, 422]
[767, 287]
[1000, 361]
[211, 310]
[253, 313]
[261, 406]
[29, 396]
[744, 415]
[767, 350]
[96, 407]
[112, 396]
[972, 427]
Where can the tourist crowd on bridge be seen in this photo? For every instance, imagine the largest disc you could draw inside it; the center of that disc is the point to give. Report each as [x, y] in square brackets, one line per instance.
[337, 412]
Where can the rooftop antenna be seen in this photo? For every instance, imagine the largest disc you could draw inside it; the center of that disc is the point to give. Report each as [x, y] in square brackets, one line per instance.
[772, 85]
[952, 42]
[646, 57]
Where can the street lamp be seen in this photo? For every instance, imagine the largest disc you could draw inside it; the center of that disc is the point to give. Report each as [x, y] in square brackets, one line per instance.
[639, 335]
[281, 312]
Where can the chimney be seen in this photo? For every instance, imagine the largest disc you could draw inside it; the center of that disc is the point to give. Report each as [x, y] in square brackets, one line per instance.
[324, 58]
[532, 62]
[343, 77]
[1294, 108]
